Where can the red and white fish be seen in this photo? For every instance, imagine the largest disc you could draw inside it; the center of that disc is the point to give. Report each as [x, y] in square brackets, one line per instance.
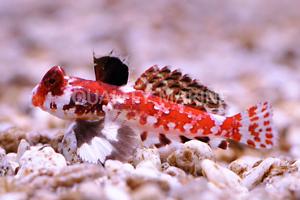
[163, 107]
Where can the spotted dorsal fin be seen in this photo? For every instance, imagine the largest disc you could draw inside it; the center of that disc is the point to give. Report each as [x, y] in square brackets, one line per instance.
[179, 88]
[111, 70]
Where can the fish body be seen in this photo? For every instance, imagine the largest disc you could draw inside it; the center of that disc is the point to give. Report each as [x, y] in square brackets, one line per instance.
[162, 109]
[181, 123]
[74, 98]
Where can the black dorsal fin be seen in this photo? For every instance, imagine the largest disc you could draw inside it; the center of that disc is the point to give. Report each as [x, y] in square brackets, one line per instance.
[180, 88]
[111, 70]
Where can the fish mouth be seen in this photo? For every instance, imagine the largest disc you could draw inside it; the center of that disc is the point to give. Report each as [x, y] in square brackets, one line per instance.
[37, 100]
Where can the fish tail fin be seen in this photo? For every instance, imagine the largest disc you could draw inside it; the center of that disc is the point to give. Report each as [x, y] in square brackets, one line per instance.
[253, 127]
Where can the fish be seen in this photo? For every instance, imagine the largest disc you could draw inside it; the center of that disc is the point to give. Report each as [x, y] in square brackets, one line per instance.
[163, 107]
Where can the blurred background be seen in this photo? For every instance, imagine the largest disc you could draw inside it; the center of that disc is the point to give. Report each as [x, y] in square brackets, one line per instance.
[249, 51]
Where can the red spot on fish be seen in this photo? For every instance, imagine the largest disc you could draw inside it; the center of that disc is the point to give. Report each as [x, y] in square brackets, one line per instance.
[264, 109]
[143, 120]
[257, 139]
[254, 118]
[238, 117]
[269, 142]
[236, 135]
[251, 143]
[269, 135]
[130, 115]
[252, 111]
[269, 129]
[262, 145]
[252, 129]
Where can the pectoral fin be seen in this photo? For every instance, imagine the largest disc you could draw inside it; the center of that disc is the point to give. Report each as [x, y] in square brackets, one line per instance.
[98, 141]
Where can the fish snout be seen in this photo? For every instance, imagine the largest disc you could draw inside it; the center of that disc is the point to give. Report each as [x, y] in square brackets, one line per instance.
[37, 99]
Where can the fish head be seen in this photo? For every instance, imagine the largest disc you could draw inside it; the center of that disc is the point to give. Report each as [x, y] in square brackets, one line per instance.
[68, 98]
[52, 83]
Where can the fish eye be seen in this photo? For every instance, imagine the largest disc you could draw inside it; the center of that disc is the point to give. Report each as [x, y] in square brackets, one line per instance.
[51, 81]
